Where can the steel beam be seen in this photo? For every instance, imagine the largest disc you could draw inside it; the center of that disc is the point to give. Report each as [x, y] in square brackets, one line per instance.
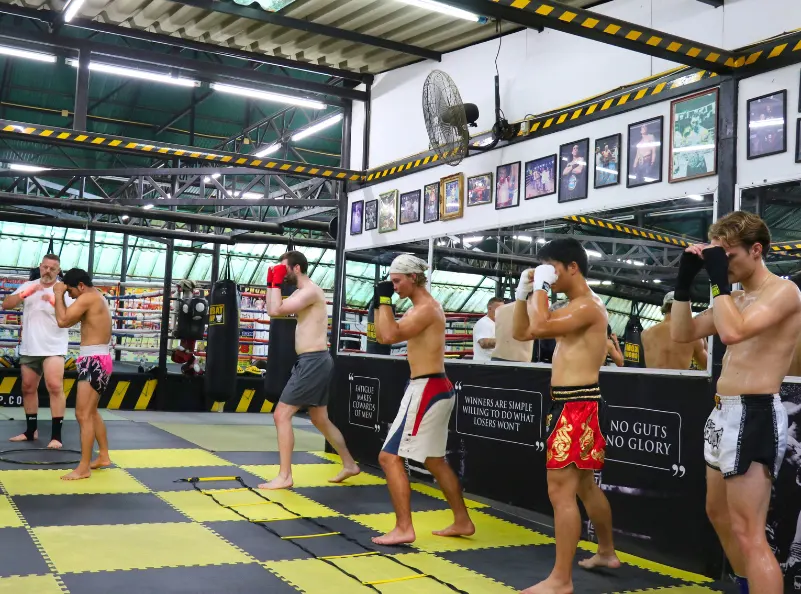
[273, 18]
[81, 92]
[598, 27]
[144, 148]
[324, 205]
[184, 112]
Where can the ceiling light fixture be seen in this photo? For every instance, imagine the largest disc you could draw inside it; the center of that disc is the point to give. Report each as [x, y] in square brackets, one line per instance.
[20, 53]
[445, 9]
[541, 240]
[72, 9]
[148, 206]
[696, 197]
[594, 254]
[147, 75]
[124, 217]
[268, 150]
[682, 211]
[28, 168]
[326, 123]
[267, 96]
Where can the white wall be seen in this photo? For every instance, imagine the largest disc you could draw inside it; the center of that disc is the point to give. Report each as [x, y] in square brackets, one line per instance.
[543, 71]
[485, 216]
[775, 168]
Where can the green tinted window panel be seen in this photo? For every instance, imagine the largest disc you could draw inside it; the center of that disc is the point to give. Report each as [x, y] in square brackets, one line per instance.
[478, 302]
[181, 265]
[107, 260]
[201, 270]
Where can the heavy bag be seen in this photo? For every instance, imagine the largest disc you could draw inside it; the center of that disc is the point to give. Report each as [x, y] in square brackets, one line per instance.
[222, 344]
[633, 355]
[373, 346]
[192, 315]
[281, 354]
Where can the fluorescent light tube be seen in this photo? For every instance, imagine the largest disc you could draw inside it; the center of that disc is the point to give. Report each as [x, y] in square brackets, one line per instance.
[267, 96]
[268, 150]
[136, 73]
[328, 122]
[72, 10]
[20, 53]
[443, 9]
[29, 168]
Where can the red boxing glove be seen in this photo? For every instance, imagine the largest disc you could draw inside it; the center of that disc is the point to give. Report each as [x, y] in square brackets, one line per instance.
[270, 276]
[50, 298]
[30, 291]
[278, 274]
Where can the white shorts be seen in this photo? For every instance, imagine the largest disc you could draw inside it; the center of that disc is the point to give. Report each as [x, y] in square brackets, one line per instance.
[746, 429]
[420, 430]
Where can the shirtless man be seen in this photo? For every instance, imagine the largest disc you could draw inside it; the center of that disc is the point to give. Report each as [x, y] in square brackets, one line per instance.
[311, 375]
[745, 437]
[43, 346]
[94, 363]
[613, 352]
[506, 347]
[662, 352]
[420, 431]
[575, 445]
[645, 160]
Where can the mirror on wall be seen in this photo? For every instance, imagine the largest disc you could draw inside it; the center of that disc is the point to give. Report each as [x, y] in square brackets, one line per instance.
[779, 206]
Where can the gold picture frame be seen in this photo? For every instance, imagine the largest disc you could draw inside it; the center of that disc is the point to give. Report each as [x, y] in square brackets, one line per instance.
[450, 209]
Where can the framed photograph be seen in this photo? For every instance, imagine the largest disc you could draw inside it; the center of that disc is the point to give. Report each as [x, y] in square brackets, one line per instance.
[388, 211]
[573, 174]
[607, 161]
[541, 177]
[693, 136]
[356, 212]
[767, 125]
[479, 189]
[371, 215]
[507, 186]
[410, 207]
[798, 141]
[645, 153]
[452, 192]
[431, 203]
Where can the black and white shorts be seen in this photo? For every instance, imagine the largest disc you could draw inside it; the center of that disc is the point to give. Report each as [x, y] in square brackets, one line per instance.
[746, 429]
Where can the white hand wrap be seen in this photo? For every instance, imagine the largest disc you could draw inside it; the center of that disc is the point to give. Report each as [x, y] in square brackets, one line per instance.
[544, 277]
[524, 286]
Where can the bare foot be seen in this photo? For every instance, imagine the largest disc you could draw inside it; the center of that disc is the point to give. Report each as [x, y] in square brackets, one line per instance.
[396, 537]
[346, 473]
[277, 483]
[23, 437]
[463, 529]
[100, 462]
[550, 586]
[610, 561]
[76, 475]
[55, 444]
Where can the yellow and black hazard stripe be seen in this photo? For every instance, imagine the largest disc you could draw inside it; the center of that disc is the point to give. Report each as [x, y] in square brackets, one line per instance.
[63, 136]
[605, 29]
[639, 232]
[249, 400]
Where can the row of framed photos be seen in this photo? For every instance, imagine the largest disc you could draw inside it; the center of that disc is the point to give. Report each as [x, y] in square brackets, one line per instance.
[693, 154]
[767, 126]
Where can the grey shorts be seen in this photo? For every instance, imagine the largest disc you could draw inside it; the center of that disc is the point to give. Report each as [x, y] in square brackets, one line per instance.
[308, 385]
[36, 364]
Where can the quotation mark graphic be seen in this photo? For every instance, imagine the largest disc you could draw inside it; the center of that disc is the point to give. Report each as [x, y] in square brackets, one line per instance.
[678, 470]
[350, 377]
[377, 427]
[539, 446]
[458, 386]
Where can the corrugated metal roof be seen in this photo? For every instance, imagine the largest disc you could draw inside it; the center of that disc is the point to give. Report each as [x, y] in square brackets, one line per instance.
[388, 19]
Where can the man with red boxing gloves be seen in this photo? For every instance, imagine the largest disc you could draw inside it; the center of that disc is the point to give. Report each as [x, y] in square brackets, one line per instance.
[42, 349]
[745, 437]
[311, 375]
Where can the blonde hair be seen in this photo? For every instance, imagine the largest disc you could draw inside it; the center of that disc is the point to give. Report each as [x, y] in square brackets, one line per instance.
[741, 228]
[419, 279]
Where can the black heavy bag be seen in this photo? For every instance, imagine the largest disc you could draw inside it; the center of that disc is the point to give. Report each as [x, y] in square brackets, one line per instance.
[222, 344]
[373, 346]
[633, 355]
[191, 319]
[281, 354]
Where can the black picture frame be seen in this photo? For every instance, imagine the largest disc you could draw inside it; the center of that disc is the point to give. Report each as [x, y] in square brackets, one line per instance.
[407, 216]
[431, 201]
[762, 139]
[609, 173]
[693, 136]
[503, 183]
[638, 173]
[485, 191]
[356, 222]
[798, 141]
[573, 179]
[371, 215]
[533, 176]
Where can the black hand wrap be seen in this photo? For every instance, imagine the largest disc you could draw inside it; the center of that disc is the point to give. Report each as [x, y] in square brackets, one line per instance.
[689, 266]
[383, 294]
[716, 263]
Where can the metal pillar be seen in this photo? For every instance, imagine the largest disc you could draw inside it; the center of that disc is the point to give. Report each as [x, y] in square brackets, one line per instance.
[368, 108]
[123, 278]
[165, 311]
[81, 91]
[215, 264]
[342, 230]
[91, 265]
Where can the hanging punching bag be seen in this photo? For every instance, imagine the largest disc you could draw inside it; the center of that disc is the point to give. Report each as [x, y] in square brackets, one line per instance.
[633, 355]
[373, 346]
[281, 354]
[222, 343]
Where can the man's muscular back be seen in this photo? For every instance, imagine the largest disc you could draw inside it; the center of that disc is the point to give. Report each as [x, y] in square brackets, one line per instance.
[426, 350]
[579, 355]
[96, 320]
[662, 352]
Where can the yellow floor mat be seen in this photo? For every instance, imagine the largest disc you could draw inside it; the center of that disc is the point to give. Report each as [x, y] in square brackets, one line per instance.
[30, 584]
[315, 475]
[165, 458]
[48, 482]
